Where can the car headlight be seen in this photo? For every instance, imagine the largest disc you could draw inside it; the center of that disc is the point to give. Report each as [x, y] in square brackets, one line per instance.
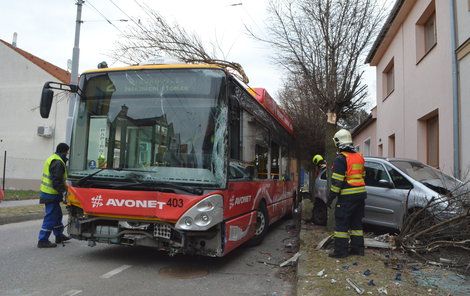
[203, 215]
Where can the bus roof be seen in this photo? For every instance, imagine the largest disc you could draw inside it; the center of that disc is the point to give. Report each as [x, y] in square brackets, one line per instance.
[156, 66]
[263, 97]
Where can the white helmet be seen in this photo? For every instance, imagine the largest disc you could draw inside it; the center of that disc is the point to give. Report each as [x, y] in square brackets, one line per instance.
[342, 138]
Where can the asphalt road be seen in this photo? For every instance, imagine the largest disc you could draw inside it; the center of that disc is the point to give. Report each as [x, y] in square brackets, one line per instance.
[77, 269]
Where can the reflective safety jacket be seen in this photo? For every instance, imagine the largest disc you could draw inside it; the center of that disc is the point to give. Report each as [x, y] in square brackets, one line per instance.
[46, 181]
[347, 178]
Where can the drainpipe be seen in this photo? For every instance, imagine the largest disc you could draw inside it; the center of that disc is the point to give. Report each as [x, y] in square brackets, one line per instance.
[455, 91]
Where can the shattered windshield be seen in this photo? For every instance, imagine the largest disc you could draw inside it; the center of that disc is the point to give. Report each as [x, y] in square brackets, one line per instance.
[426, 174]
[164, 125]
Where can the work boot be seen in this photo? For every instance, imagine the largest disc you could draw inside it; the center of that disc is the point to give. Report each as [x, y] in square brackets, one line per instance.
[46, 244]
[61, 239]
[357, 252]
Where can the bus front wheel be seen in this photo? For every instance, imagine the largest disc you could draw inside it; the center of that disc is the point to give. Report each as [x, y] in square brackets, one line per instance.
[261, 225]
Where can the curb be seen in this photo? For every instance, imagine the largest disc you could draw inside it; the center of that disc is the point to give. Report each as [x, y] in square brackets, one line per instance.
[301, 263]
[22, 218]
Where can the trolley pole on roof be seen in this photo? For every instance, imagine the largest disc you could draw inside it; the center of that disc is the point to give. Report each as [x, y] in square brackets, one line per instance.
[74, 71]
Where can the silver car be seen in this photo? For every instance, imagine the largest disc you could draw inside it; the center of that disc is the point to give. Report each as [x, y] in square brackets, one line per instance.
[396, 187]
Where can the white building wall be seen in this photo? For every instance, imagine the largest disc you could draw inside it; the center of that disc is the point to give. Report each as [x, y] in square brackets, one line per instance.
[421, 87]
[464, 65]
[428, 86]
[463, 32]
[21, 83]
[462, 8]
[390, 109]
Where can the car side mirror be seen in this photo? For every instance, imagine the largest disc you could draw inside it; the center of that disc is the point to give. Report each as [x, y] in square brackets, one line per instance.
[386, 183]
[46, 102]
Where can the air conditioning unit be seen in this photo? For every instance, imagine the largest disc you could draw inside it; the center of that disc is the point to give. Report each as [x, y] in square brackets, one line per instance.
[45, 131]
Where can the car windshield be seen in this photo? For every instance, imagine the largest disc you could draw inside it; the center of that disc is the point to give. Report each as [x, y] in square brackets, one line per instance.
[426, 174]
[165, 125]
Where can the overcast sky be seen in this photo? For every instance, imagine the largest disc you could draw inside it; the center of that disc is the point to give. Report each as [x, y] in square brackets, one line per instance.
[46, 29]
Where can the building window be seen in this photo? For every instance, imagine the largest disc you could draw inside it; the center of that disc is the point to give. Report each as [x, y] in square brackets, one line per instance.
[430, 33]
[426, 32]
[380, 150]
[391, 146]
[432, 141]
[366, 147]
[389, 79]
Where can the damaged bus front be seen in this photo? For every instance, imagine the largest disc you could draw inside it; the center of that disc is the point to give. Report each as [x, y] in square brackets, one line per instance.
[183, 158]
[148, 159]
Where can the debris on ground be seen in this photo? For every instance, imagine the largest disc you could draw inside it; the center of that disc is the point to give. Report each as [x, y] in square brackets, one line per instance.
[392, 271]
[372, 243]
[324, 242]
[355, 286]
[291, 260]
[382, 290]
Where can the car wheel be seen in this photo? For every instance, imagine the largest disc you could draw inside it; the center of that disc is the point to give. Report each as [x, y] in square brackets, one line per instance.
[261, 225]
[319, 213]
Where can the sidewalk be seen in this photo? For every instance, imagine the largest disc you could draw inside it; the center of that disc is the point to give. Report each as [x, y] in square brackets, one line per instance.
[13, 211]
[18, 203]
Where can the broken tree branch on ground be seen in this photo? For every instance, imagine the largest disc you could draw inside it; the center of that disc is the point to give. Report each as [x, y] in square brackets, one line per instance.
[442, 225]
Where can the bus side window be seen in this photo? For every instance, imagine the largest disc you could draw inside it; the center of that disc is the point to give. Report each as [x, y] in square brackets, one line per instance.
[255, 139]
[285, 164]
[274, 161]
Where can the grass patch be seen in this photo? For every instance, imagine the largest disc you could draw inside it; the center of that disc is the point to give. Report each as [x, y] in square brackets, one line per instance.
[25, 210]
[20, 194]
[19, 211]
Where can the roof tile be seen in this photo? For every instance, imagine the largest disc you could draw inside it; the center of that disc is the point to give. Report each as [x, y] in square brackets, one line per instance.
[55, 71]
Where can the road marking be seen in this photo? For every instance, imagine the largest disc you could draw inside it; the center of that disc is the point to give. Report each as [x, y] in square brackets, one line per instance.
[72, 293]
[115, 271]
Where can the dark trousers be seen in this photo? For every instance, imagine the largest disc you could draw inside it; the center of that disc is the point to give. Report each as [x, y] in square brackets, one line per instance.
[349, 212]
[52, 221]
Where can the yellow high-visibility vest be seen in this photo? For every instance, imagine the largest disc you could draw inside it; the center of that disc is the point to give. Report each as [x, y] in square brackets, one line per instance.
[46, 181]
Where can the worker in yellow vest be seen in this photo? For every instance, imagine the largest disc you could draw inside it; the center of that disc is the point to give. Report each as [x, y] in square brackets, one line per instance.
[347, 184]
[53, 190]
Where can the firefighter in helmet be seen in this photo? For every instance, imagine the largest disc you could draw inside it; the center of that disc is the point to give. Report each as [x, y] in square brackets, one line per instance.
[318, 161]
[347, 184]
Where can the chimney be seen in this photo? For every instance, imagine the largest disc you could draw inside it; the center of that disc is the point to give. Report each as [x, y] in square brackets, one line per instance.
[15, 36]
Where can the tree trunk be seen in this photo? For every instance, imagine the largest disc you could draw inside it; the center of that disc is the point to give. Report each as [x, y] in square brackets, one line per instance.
[330, 154]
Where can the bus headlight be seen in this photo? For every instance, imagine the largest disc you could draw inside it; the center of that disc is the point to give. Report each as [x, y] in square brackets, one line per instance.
[203, 215]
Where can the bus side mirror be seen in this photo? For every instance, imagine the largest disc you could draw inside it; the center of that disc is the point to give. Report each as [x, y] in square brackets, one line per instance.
[46, 102]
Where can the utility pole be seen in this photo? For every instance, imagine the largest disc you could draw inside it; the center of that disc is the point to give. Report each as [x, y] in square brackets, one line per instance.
[74, 73]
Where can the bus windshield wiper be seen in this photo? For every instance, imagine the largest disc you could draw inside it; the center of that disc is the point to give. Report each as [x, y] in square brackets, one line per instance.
[87, 177]
[157, 184]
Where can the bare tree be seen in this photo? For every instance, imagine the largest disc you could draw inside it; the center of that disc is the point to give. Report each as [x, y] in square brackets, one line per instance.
[146, 39]
[322, 43]
[309, 128]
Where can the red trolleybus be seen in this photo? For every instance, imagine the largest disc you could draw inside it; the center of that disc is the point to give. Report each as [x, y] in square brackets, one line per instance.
[184, 158]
